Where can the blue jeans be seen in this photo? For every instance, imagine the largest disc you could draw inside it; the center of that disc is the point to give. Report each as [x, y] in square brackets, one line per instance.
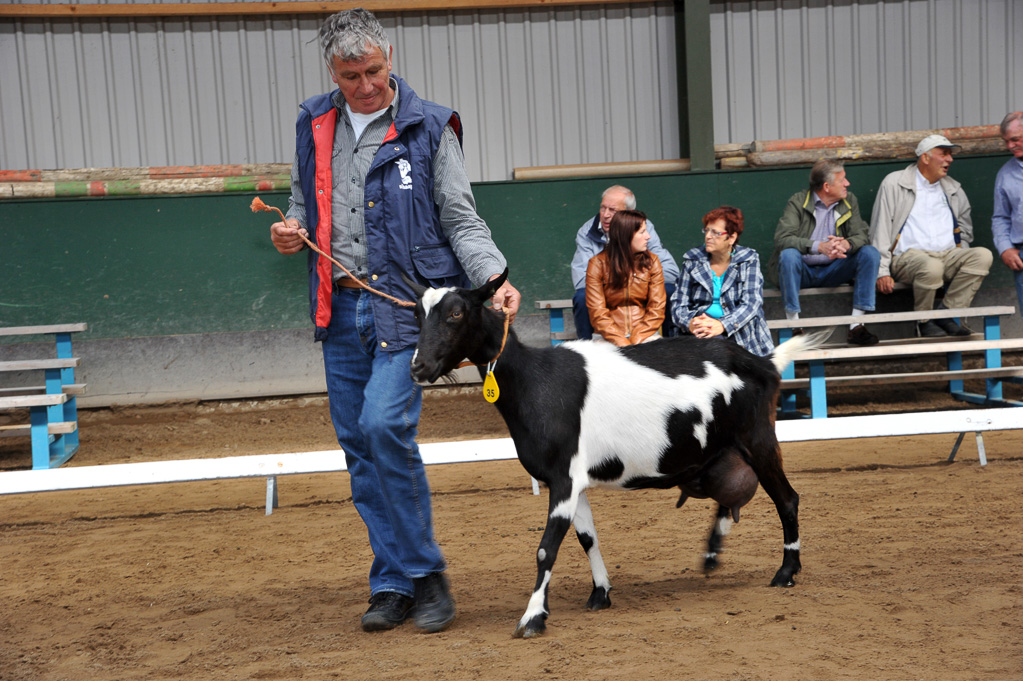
[860, 267]
[581, 314]
[375, 406]
[1019, 290]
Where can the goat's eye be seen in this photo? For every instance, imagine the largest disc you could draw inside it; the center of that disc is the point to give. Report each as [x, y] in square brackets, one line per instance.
[457, 314]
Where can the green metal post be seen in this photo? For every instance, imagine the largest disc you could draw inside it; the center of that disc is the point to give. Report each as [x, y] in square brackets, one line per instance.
[695, 87]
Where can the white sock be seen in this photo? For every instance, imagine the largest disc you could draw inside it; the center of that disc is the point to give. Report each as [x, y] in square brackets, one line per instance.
[856, 313]
[791, 316]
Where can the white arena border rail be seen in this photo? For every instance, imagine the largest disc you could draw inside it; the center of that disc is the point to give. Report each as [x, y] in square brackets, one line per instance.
[270, 466]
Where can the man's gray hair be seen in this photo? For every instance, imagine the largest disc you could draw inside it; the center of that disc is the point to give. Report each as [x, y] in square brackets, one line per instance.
[351, 35]
[1007, 121]
[823, 171]
[630, 198]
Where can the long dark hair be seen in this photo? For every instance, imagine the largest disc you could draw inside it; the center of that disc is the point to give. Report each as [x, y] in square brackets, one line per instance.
[620, 257]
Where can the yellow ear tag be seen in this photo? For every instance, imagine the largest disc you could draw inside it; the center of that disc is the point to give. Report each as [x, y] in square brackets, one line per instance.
[490, 390]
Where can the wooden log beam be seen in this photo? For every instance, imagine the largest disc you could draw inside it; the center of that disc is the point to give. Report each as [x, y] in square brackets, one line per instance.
[878, 139]
[809, 155]
[193, 10]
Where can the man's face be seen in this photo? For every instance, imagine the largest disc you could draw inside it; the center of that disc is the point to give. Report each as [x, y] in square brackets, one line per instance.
[937, 162]
[835, 190]
[609, 205]
[1014, 139]
[365, 83]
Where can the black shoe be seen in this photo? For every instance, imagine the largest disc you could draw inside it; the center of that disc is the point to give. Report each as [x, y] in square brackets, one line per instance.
[435, 608]
[928, 329]
[859, 335]
[950, 327]
[387, 609]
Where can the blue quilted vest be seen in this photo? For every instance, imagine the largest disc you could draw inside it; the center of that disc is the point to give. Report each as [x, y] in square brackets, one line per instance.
[403, 231]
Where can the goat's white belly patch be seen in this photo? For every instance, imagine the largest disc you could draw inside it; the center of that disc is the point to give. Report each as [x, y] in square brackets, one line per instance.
[625, 414]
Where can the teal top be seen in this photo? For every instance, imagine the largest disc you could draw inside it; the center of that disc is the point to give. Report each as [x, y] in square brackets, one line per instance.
[715, 309]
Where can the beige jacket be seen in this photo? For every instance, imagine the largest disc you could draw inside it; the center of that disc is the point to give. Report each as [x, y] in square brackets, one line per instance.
[895, 199]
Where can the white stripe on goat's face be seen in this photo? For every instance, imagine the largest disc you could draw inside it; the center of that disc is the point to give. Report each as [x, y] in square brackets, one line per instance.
[627, 407]
[431, 297]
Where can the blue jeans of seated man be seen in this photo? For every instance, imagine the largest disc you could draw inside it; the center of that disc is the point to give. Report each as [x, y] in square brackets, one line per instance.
[581, 314]
[375, 406]
[860, 267]
[1019, 290]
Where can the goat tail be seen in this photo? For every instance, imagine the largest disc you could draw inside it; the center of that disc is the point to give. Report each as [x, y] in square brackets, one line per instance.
[786, 352]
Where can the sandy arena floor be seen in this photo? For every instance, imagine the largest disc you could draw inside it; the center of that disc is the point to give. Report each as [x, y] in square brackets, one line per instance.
[912, 568]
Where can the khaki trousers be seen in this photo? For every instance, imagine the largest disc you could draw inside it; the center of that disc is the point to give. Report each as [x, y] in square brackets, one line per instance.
[960, 269]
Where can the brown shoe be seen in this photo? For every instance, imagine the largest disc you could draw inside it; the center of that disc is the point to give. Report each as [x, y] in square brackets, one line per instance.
[858, 335]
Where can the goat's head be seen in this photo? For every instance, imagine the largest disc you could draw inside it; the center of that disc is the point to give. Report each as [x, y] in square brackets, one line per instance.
[451, 327]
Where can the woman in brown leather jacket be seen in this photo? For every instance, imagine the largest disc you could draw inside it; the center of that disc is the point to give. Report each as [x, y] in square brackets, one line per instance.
[625, 284]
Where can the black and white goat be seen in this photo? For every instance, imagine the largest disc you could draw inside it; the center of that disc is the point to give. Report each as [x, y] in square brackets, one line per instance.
[681, 412]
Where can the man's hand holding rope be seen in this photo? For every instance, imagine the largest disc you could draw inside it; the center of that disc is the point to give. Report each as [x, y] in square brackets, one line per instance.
[289, 237]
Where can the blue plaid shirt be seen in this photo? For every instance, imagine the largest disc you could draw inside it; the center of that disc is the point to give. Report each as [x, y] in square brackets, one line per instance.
[742, 297]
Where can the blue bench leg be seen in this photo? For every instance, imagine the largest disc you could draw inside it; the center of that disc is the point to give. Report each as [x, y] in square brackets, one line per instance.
[40, 431]
[993, 358]
[818, 391]
[788, 397]
[557, 324]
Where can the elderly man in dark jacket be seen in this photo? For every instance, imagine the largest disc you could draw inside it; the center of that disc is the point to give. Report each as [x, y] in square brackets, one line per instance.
[821, 240]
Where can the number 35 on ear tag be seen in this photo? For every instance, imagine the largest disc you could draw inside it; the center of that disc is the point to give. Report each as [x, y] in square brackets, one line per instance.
[490, 390]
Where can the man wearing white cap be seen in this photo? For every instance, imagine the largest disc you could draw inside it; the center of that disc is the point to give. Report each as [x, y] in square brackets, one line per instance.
[922, 228]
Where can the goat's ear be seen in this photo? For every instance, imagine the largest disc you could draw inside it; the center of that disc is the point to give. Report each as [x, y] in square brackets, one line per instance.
[487, 291]
[417, 288]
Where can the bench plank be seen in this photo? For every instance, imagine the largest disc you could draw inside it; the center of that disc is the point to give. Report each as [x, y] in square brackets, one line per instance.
[25, 401]
[69, 388]
[916, 377]
[45, 329]
[886, 317]
[826, 290]
[548, 304]
[57, 428]
[907, 350]
[36, 364]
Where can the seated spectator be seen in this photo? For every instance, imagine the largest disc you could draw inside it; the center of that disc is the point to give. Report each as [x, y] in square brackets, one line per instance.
[720, 291]
[921, 226]
[821, 240]
[590, 240]
[1007, 220]
[625, 284]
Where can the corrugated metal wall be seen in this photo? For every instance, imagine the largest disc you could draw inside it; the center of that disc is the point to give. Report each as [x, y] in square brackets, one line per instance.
[538, 87]
[788, 68]
[574, 85]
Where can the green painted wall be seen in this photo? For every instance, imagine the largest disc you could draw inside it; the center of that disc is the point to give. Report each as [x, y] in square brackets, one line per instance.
[162, 265]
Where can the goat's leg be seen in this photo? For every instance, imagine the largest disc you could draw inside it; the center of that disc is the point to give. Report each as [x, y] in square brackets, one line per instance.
[562, 505]
[773, 480]
[722, 526]
[586, 532]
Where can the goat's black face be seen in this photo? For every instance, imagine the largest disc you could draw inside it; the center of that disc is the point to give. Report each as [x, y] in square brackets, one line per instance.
[450, 327]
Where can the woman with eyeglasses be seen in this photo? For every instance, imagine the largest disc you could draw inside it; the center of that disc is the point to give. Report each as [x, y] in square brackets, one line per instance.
[625, 284]
[720, 290]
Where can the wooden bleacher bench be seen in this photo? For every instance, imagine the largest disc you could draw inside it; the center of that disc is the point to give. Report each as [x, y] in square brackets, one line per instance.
[989, 342]
[52, 407]
[556, 308]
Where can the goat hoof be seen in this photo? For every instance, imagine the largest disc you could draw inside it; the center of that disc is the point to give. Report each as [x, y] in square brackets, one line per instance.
[710, 563]
[599, 599]
[532, 628]
[782, 580]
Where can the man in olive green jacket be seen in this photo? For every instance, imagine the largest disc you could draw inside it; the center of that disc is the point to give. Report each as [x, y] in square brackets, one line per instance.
[822, 241]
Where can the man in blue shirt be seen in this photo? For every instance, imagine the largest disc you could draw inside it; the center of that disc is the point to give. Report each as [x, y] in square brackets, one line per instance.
[1007, 220]
[591, 239]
